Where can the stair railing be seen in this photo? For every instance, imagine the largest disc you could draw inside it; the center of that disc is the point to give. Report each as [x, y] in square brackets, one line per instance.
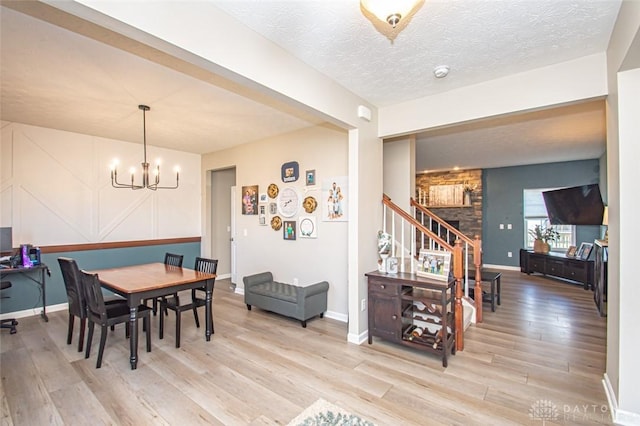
[472, 248]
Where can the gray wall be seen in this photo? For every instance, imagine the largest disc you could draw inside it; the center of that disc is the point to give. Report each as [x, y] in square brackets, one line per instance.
[503, 203]
[25, 294]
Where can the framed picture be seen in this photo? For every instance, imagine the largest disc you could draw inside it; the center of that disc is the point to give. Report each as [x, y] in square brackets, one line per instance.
[334, 199]
[273, 208]
[289, 230]
[262, 216]
[584, 251]
[264, 198]
[308, 227]
[571, 252]
[434, 264]
[250, 199]
[310, 177]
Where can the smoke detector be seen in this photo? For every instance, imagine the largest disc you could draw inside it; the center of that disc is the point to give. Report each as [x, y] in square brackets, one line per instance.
[441, 71]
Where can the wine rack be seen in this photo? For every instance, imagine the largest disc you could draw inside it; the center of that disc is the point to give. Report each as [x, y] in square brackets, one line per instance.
[413, 311]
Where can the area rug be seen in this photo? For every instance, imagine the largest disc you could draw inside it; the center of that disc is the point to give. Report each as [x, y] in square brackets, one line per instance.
[324, 413]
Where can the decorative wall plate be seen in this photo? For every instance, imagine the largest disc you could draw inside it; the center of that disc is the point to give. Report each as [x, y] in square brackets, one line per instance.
[310, 204]
[276, 223]
[288, 202]
[273, 190]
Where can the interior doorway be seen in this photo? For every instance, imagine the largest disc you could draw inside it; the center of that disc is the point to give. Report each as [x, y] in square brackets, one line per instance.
[222, 221]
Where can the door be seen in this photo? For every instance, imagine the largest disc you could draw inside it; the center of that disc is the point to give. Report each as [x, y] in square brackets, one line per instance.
[233, 235]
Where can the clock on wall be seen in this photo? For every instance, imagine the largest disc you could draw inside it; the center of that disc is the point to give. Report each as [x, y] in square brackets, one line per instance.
[288, 202]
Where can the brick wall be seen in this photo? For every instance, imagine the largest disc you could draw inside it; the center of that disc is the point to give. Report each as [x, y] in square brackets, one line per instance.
[470, 217]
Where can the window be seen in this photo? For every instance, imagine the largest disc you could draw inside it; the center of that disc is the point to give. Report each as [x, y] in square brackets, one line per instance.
[535, 213]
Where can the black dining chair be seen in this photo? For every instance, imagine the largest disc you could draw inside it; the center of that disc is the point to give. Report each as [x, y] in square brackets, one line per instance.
[197, 299]
[170, 259]
[107, 315]
[75, 298]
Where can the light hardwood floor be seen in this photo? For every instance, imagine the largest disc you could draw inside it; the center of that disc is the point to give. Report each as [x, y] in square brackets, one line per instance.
[543, 347]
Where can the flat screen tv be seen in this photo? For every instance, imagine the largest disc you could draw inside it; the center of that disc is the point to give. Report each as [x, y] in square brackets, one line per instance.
[578, 205]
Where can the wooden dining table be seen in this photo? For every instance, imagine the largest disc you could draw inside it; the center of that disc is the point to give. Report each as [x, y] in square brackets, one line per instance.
[139, 282]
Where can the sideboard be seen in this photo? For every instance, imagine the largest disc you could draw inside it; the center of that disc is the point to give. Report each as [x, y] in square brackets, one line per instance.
[558, 265]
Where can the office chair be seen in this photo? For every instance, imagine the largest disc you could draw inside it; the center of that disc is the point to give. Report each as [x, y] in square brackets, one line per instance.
[9, 323]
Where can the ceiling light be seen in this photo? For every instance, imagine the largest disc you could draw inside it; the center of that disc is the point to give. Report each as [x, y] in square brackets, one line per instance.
[390, 16]
[145, 166]
[441, 71]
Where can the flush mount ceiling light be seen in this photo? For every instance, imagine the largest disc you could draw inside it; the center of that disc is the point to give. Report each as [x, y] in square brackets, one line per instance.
[390, 17]
[145, 166]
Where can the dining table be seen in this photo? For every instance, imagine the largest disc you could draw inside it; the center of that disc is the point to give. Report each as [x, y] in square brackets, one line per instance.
[147, 281]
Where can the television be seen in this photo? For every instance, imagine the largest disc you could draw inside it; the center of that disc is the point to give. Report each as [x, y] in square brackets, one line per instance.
[578, 205]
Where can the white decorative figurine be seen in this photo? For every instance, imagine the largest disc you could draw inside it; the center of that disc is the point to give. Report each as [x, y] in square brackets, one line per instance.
[384, 250]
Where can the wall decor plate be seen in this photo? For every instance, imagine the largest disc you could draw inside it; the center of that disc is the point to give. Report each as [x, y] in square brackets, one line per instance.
[290, 171]
[276, 223]
[273, 190]
[310, 204]
[288, 202]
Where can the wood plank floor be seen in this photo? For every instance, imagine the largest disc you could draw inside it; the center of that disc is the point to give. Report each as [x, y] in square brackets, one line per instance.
[544, 347]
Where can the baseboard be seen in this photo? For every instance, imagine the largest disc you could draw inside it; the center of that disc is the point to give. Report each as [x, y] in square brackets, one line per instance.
[223, 276]
[503, 267]
[34, 311]
[618, 416]
[240, 290]
[337, 316]
[358, 339]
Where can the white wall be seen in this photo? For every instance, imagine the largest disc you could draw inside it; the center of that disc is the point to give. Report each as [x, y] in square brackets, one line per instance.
[55, 189]
[260, 248]
[623, 345]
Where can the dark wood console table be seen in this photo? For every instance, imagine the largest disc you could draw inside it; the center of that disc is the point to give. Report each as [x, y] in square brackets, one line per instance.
[558, 265]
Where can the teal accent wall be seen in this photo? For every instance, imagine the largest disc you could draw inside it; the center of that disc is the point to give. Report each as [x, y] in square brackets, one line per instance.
[503, 204]
[25, 294]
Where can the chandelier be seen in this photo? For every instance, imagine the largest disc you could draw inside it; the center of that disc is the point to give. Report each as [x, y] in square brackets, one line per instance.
[145, 167]
[390, 17]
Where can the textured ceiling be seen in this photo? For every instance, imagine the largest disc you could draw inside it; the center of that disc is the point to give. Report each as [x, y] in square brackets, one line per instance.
[55, 78]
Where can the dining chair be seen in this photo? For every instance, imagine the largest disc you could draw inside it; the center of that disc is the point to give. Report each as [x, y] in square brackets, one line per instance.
[197, 299]
[75, 298]
[107, 315]
[170, 259]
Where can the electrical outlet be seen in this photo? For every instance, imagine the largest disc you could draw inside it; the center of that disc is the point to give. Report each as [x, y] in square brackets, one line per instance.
[502, 226]
[509, 226]
[363, 305]
[509, 254]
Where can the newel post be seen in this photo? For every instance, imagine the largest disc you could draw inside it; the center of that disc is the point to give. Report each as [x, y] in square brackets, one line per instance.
[477, 290]
[459, 314]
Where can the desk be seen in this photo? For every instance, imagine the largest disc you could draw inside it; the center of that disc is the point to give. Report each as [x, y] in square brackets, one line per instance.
[39, 271]
[139, 282]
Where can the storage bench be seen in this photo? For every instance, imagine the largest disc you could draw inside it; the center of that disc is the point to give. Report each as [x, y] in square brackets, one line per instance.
[301, 303]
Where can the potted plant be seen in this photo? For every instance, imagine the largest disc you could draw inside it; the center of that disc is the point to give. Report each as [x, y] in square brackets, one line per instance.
[542, 235]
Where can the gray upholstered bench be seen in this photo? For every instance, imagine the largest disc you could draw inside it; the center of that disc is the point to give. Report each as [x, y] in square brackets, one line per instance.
[301, 303]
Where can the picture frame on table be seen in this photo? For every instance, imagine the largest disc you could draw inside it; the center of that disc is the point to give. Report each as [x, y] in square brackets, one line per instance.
[434, 264]
[571, 251]
[584, 251]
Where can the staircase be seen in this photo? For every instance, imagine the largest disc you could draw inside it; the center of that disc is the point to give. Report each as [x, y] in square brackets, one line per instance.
[422, 229]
